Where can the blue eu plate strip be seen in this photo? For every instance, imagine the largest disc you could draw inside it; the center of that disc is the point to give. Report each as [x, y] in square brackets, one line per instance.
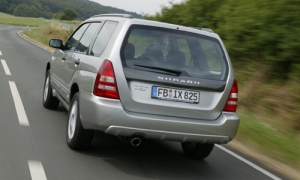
[154, 92]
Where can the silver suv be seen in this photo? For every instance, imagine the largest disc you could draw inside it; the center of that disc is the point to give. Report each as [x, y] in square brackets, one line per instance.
[139, 79]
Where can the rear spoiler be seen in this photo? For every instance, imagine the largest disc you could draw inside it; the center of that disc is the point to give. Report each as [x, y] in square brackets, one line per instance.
[204, 29]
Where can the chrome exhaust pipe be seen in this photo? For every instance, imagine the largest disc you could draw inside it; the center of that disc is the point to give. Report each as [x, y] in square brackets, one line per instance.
[135, 141]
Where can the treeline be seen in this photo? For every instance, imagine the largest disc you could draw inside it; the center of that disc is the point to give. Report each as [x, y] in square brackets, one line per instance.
[50, 8]
[253, 31]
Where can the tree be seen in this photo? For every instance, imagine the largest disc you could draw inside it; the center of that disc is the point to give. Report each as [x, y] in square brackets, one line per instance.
[68, 14]
[3, 5]
[11, 8]
[26, 10]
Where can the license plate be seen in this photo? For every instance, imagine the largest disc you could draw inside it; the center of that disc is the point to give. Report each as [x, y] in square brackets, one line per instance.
[172, 94]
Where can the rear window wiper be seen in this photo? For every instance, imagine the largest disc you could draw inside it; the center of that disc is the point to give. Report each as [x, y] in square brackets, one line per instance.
[176, 72]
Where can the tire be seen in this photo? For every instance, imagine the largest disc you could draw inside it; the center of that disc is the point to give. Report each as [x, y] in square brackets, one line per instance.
[197, 150]
[49, 101]
[77, 137]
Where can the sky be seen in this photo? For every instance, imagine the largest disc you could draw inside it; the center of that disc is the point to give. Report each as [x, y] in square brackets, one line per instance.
[139, 6]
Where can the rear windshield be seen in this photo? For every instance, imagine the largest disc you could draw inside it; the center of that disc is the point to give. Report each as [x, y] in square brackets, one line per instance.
[158, 49]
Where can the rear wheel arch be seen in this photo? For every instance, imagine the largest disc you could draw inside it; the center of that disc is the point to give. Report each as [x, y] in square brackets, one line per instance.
[74, 90]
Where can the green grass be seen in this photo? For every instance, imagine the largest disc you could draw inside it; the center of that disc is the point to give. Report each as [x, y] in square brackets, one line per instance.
[22, 21]
[283, 146]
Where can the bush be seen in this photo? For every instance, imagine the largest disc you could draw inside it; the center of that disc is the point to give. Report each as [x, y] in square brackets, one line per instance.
[68, 14]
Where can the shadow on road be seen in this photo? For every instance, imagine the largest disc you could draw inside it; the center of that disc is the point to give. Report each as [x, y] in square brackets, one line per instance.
[153, 159]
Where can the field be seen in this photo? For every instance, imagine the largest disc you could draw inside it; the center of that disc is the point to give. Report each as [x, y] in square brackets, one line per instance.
[74, 23]
[22, 21]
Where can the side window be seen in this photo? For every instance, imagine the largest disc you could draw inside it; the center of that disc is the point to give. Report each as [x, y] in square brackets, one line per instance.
[73, 40]
[103, 37]
[212, 55]
[85, 41]
[184, 47]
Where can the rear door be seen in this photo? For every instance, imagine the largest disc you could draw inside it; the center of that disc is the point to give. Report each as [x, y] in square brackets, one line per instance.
[59, 58]
[173, 73]
[76, 55]
[64, 70]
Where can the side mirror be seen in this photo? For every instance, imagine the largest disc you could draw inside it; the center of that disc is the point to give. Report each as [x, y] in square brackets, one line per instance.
[56, 43]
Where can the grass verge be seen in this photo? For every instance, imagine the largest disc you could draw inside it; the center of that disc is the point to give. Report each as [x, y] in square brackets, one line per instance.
[43, 35]
[282, 146]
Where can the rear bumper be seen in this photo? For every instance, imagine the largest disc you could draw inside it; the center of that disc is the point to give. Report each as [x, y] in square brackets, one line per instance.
[109, 116]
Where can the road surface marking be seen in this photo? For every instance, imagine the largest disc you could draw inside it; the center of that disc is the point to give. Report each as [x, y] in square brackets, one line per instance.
[249, 163]
[36, 170]
[6, 69]
[1, 53]
[18, 104]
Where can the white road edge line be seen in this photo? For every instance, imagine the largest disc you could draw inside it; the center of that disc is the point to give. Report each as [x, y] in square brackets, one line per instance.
[36, 170]
[249, 163]
[1, 53]
[32, 42]
[18, 104]
[6, 69]
[220, 147]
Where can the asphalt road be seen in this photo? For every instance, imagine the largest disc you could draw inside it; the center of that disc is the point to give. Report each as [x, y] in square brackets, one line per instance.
[33, 139]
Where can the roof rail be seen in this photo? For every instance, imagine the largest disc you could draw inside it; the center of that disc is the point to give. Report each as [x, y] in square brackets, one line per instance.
[114, 15]
[204, 29]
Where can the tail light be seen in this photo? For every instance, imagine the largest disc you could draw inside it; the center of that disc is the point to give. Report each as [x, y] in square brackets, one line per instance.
[231, 103]
[105, 83]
